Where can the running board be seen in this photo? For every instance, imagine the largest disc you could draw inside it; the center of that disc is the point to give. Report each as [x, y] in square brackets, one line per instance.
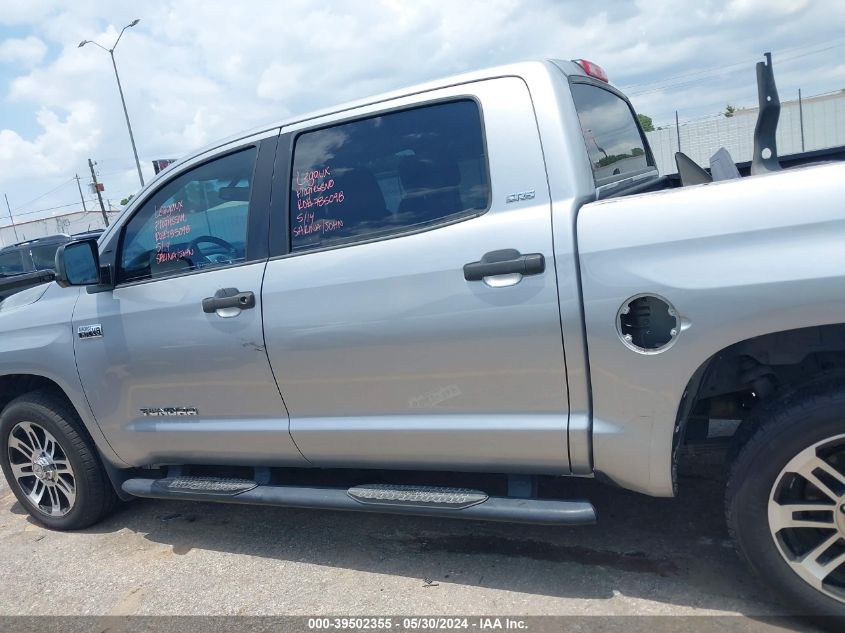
[459, 503]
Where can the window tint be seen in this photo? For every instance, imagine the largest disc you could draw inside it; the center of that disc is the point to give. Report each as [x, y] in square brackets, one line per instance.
[613, 139]
[197, 220]
[388, 173]
[11, 263]
[44, 257]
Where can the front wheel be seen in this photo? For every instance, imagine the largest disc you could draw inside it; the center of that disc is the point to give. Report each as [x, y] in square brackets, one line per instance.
[786, 500]
[51, 464]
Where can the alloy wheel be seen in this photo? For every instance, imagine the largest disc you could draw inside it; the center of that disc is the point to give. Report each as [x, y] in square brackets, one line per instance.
[42, 469]
[806, 514]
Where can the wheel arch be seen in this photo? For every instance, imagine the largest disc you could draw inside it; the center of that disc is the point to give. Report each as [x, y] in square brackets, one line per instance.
[13, 385]
[739, 379]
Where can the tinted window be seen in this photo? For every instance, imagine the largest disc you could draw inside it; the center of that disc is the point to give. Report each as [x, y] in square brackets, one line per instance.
[388, 173]
[11, 263]
[197, 220]
[44, 257]
[610, 131]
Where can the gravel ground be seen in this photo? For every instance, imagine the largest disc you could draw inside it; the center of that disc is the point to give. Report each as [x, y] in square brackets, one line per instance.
[645, 556]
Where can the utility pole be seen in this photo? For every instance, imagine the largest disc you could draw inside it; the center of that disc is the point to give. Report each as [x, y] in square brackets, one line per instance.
[99, 195]
[14, 228]
[801, 117]
[81, 197]
[678, 130]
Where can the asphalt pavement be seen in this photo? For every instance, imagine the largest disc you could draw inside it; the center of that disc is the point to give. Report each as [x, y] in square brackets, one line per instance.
[646, 556]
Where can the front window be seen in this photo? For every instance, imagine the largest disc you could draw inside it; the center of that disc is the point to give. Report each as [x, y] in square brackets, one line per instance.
[197, 220]
[614, 143]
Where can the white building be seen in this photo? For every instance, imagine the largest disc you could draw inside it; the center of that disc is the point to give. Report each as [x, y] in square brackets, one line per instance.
[69, 223]
[824, 126]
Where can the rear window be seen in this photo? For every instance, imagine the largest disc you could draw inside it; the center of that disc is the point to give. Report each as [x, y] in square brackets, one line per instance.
[391, 173]
[614, 143]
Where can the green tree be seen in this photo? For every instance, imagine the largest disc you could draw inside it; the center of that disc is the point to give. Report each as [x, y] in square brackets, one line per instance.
[646, 122]
[729, 110]
[125, 201]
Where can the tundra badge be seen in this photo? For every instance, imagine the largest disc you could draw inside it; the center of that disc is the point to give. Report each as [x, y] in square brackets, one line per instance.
[169, 411]
[90, 331]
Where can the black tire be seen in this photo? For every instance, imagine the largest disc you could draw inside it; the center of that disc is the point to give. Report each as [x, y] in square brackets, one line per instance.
[95, 496]
[800, 419]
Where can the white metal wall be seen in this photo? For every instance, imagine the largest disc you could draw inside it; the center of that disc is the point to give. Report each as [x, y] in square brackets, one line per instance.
[68, 223]
[824, 126]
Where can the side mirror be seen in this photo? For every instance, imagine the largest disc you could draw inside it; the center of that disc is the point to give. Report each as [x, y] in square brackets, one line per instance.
[78, 264]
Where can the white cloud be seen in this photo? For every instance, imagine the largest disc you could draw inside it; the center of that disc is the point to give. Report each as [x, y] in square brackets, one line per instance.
[196, 70]
[17, 12]
[61, 141]
[27, 51]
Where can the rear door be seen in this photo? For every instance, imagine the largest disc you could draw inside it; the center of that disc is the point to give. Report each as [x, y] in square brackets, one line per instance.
[171, 377]
[410, 304]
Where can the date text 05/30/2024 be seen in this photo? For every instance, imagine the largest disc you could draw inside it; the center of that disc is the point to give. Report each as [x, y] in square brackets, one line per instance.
[417, 623]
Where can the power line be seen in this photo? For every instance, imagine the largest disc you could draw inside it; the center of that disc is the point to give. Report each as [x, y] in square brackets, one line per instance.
[18, 214]
[719, 104]
[705, 71]
[25, 204]
[50, 217]
[60, 206]
[112, 173]
[821, 50]
[724, 70]
[721, 68]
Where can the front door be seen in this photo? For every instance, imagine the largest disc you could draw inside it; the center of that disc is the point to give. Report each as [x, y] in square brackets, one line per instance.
[414, 321]
[176, 372]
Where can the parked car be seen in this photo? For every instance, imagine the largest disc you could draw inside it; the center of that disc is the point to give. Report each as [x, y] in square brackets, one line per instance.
[93, 233]
[29, 263]
[484, 273]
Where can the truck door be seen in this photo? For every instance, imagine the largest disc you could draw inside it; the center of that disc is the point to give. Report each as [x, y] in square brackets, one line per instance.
[411, 310]
[172, 359]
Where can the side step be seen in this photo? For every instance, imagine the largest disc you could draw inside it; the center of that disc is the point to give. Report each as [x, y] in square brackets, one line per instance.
[459, 503]
[206, 485]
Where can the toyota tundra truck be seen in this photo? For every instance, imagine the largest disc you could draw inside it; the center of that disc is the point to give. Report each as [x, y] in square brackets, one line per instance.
[361, 308]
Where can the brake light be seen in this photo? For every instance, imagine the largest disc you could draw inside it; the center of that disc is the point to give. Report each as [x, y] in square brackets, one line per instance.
[593, 70]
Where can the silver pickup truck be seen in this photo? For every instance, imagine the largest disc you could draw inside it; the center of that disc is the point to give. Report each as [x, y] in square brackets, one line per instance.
[359, 308]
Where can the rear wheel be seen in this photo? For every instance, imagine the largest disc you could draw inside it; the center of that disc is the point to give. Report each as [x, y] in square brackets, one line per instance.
[51, 464]
[786, 500]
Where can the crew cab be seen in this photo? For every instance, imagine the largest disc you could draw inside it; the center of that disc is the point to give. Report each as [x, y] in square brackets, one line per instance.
[358, 308]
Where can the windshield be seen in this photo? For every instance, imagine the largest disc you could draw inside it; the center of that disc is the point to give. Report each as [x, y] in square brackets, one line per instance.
[11, 263]
[44, 257]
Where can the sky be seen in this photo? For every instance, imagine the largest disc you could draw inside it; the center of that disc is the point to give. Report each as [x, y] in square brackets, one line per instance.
[197, 70]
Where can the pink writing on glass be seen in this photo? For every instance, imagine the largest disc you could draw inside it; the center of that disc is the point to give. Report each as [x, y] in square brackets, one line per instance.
[170, 222]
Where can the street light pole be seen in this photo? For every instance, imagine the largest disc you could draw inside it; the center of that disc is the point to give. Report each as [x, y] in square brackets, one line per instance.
[110, 51]
[126, 114]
